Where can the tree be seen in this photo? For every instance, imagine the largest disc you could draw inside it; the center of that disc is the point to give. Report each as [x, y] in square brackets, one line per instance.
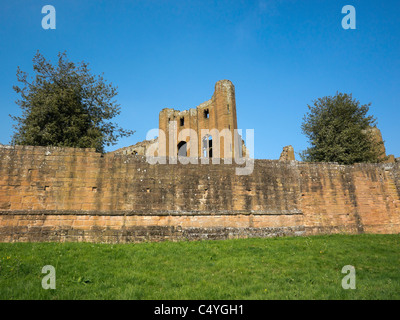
[339, 130]
[65, 105]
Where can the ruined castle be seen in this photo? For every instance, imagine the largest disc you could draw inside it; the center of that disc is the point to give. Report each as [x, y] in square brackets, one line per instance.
[205, 131]
[68, 194]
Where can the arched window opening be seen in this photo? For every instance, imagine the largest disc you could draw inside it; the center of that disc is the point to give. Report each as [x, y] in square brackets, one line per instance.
[207, 147]
[182, 149]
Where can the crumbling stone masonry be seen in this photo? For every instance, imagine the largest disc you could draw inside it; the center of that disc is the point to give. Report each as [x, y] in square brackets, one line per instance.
[287, 154]
[377, 137]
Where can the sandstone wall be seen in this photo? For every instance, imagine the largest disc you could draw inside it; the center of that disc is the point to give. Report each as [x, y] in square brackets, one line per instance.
[66, 194]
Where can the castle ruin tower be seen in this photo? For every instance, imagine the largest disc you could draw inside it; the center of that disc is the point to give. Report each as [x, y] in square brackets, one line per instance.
[217, 115]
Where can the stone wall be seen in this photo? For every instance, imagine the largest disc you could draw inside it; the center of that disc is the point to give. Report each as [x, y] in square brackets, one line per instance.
[66, 194]
[139, 148]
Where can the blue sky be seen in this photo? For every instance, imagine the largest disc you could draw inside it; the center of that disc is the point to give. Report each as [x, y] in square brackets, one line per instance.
[280, 55]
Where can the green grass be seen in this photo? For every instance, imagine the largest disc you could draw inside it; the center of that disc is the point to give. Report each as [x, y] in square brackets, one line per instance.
[276, 268]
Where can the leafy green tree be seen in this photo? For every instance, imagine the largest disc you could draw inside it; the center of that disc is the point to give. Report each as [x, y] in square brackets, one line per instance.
[339, 130]
[65, 105]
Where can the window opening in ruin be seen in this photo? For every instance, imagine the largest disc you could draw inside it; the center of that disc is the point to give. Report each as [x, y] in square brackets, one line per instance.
[182, 122]
[206, 114]
[182, 149]
[229, 111]
[207, 146]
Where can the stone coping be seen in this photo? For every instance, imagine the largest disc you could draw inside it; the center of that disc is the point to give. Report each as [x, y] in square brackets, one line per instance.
[150, 213]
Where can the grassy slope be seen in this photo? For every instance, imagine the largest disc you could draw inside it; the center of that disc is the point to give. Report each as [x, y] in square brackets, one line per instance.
[277, 268]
